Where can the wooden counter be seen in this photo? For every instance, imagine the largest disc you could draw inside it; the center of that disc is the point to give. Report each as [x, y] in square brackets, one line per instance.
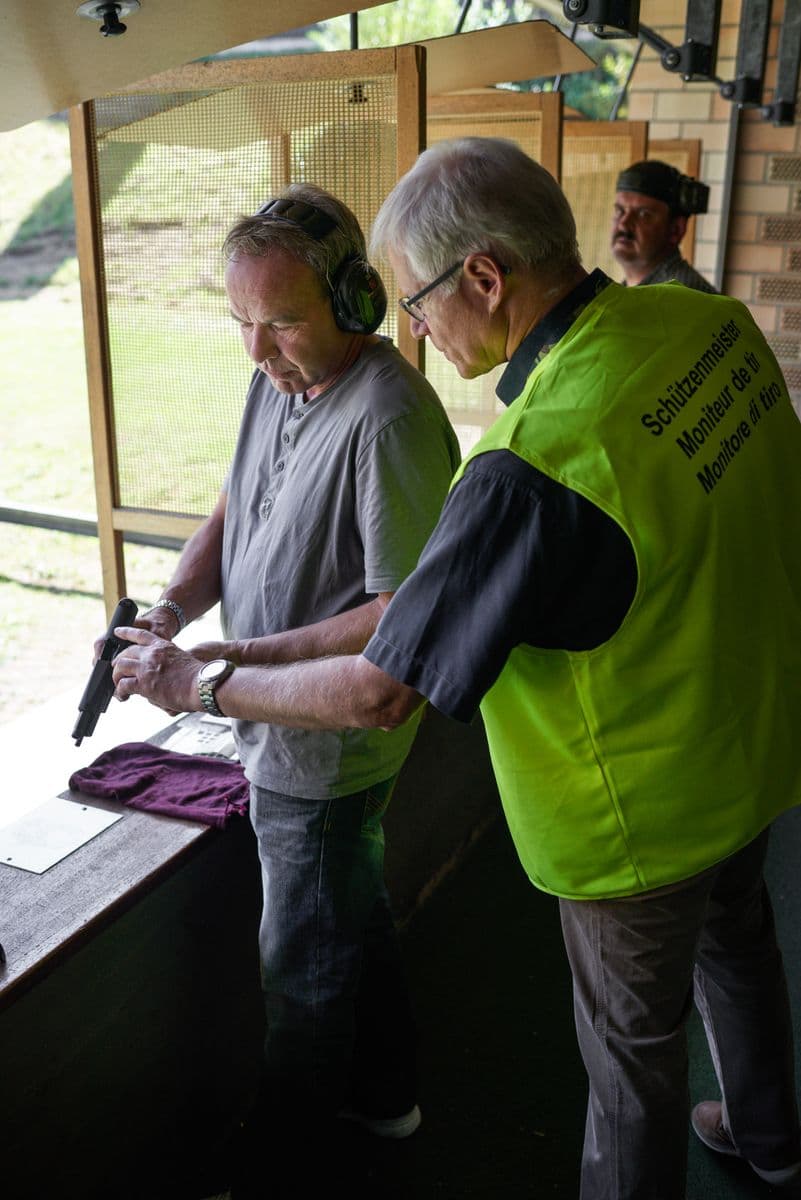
[130, 1005]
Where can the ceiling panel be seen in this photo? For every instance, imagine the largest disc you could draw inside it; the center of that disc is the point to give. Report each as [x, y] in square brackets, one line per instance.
[504, 54]
[51, 58]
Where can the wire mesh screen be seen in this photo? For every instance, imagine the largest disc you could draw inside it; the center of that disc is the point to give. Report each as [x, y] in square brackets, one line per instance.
[685, 155]
[525, 128]
[591, 164]
[175, 172]
[681, 155]
[471, 403]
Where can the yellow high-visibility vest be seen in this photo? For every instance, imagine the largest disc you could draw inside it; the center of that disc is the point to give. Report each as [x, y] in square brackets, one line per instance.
[647, 759]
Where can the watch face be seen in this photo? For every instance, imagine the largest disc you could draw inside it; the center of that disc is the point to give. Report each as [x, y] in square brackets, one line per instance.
[212, 670]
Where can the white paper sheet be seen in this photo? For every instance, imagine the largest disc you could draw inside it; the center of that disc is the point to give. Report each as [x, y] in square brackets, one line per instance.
[50, 832]
[200, 733]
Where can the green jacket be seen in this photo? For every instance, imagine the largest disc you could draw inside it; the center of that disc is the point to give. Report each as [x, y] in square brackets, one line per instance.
[647, 759]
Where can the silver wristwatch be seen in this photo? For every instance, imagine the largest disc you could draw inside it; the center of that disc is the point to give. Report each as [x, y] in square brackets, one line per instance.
[210, 675]
[175, 609]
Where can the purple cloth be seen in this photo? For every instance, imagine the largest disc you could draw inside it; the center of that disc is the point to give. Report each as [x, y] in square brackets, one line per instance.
[141, 775]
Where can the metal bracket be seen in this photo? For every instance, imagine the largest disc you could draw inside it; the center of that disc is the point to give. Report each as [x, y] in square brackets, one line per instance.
[606, 18]
[781, 110]
[746, 89]
[696, 58]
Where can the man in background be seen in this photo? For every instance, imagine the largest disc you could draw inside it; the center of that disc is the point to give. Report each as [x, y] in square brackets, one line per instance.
[649, 220]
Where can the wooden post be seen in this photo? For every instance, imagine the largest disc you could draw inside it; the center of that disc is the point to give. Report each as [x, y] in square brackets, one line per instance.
[411, 118]
[96, 347]
[551, 156]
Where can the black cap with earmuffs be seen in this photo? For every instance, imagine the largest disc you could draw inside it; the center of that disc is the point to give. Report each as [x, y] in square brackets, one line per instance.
[659, 180]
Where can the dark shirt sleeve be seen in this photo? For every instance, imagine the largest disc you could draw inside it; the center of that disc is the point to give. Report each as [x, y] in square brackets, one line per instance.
[515, 558]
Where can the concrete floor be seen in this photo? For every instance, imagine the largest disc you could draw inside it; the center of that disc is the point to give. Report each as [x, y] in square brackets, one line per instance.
[503, 1090]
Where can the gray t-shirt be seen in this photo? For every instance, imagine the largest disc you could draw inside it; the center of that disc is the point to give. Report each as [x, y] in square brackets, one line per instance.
[675, 268]
[330, 502]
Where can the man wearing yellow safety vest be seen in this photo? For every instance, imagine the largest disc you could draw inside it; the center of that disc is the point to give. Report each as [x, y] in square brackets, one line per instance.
[615, 580]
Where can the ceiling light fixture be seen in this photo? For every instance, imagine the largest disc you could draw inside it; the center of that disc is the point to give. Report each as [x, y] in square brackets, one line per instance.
[109, 12]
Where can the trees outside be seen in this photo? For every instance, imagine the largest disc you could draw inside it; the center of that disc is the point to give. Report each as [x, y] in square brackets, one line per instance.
[592, 93]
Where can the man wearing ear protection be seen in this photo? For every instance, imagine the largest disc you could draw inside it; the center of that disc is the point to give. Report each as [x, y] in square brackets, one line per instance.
[343, 460]
[653, 202]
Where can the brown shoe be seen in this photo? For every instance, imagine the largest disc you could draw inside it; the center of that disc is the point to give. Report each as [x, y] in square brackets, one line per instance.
[707, 1123]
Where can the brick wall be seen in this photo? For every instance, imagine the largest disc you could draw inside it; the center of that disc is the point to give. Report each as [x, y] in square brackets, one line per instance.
[751, 248]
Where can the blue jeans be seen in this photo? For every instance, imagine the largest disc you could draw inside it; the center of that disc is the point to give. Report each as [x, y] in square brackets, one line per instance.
[637, 963]
[339, 1023]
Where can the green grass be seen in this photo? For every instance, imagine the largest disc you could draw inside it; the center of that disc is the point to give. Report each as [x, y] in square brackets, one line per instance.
[181, 377]
[45, 457]
[51, 605]
[35, 173]
[179, 373]
[45, 454]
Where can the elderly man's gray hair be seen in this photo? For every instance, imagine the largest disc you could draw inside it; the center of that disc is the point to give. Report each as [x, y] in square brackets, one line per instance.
[475, 194]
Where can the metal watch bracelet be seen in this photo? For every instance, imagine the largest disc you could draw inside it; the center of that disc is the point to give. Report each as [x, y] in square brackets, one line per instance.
[174, 607]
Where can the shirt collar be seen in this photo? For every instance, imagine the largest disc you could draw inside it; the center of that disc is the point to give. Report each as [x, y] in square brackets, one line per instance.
[666, 269]
[546, 333]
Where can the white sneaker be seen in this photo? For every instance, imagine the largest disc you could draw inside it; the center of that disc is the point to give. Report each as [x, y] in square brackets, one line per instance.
[386, 1127]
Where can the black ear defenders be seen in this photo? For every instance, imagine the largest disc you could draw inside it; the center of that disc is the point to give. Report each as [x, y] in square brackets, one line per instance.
[358, 297]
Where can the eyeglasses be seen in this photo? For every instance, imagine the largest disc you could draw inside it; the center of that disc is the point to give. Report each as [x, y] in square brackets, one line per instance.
[411, 304]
